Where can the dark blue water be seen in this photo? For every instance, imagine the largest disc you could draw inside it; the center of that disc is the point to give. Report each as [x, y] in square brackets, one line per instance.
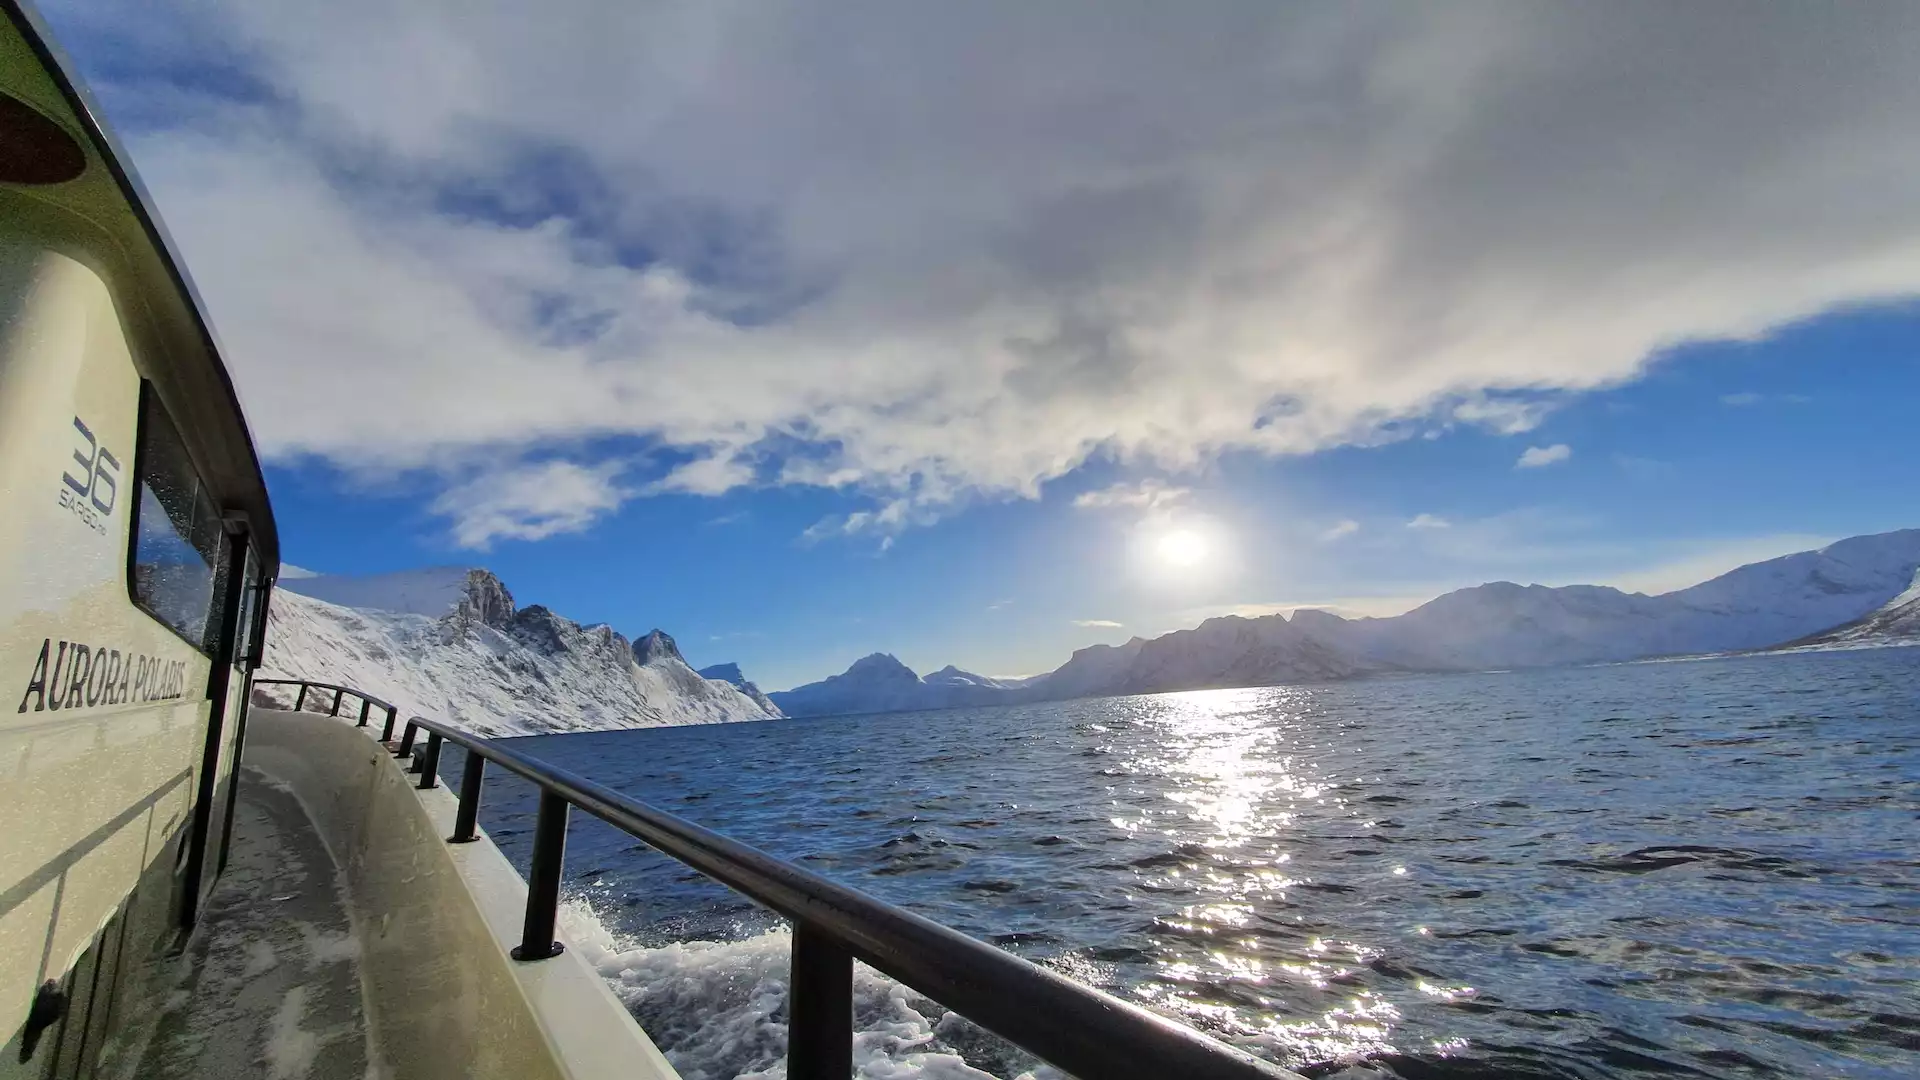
[1686, 869]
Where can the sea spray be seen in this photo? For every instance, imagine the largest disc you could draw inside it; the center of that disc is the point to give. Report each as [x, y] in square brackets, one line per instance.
[718, 1010]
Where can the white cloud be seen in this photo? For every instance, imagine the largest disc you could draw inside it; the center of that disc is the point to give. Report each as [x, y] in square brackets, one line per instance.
[1428, 521]
[1506, 416]
[885, 522]
[1741, 399]
[529, 502]
[1145, 495]
[1275, 228]
[1346, 527]
[1534, 457]
[1101, 624]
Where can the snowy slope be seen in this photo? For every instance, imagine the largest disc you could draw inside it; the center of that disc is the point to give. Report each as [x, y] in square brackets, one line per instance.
[733, 676]
[495, 668]
[1233, 651]
[1897, 622]
[1503, 625]
[1864, 589]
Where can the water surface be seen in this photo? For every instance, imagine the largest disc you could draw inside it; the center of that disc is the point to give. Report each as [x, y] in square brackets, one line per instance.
[1682, 869]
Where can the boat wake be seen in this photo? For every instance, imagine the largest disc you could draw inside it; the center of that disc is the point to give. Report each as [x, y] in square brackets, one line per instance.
[718, 1010]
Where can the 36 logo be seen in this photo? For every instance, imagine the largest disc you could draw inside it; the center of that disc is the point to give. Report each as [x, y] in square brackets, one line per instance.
[92, 494]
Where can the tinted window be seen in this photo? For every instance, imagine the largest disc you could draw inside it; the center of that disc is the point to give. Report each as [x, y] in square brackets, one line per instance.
[178, 543]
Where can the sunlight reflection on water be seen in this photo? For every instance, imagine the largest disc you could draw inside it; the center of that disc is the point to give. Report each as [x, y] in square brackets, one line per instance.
[1591, 873]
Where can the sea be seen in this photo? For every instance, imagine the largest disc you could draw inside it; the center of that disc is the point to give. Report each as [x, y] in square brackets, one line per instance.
[1706, 868]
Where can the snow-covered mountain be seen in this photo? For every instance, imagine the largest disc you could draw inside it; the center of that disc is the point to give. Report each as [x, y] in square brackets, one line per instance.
[480, 661]
[1897, 622]
[880, 683]
[731, 675]
[1857, 591]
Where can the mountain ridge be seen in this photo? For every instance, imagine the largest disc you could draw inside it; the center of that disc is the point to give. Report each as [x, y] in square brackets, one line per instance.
[1864, 590]
[472, 656]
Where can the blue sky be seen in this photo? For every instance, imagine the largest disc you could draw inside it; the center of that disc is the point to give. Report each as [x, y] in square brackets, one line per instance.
[698, 319]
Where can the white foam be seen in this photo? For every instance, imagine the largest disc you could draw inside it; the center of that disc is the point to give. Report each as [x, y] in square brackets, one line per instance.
[717, 1009]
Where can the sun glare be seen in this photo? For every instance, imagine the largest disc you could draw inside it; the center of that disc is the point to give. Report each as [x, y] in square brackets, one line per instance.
[1183, 547]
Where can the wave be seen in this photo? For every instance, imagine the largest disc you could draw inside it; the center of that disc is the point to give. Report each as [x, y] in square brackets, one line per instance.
[718, 1010]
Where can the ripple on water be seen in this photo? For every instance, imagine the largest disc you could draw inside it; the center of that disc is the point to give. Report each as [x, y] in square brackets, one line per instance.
[1710, 870]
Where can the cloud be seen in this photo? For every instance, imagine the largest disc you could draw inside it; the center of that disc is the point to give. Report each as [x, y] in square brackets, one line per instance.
[1145, 495]
[1428, 521]
[1534, 457]
[1101, 624]
[886, 522]
[1276, 228]
[1741, 399]
[1001, 603]
[1340, 529]
[529, 502]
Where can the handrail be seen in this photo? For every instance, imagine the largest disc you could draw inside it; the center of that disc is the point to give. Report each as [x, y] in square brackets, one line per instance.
[367, 701]
[1089, 1033]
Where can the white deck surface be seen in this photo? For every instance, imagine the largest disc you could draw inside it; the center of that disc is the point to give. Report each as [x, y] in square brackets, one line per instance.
[269, 986]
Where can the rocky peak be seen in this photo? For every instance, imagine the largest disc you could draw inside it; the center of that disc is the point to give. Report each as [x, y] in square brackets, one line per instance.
[486, 600]
[880, 667]
[726, 673]
[656, 645]
[1316, 619]
[539, 628]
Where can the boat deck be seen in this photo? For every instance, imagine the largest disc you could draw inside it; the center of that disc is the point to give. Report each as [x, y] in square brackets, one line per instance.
[270, 985]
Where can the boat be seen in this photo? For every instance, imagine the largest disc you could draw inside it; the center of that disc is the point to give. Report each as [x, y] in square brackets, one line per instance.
[176, 823]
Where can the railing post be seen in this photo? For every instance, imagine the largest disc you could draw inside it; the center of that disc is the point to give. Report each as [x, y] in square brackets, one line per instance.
[819, 1008]
[430, 765]
[364, 706]
[386, 733]
[466, 820]
[406, 741]
[300, 699]
[543, 880]
[336, 703]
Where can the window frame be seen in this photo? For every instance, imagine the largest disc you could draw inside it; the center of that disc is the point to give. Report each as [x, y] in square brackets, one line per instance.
[150, 399]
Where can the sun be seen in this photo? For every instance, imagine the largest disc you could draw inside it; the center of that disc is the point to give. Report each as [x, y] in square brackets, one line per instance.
[1183, 547]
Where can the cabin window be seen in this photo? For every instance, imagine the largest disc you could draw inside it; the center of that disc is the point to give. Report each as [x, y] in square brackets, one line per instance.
[243, 635]
[178, 543]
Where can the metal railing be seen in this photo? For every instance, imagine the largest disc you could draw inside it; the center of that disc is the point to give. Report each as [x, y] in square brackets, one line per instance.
[367, 701]
[1088, 1033]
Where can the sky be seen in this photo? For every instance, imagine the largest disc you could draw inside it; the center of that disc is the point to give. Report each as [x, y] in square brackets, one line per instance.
[980, 333]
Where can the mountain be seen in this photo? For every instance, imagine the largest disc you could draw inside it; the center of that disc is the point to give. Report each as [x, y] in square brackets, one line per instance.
[953, 676]
[482, 662]
[1863, 590]
[1897, 622]
[732, 676]
[880, 683]
[1503, 625]
[1229, 651]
